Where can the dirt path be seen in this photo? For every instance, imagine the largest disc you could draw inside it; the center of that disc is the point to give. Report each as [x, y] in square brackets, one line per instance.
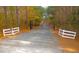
[41, 40]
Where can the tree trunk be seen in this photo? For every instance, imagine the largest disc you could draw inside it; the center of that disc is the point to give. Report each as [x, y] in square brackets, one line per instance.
[17, 14]
[5, 13]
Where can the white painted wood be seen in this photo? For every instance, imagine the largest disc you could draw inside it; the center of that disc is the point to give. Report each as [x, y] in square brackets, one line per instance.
[15, 30]
[11, 31]
[67, 34]
[7, 32]
[68, 37]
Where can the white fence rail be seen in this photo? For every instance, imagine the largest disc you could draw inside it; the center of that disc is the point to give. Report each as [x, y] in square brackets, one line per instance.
[67, 34]
[11, 31]
[15, 30]
[7, 32]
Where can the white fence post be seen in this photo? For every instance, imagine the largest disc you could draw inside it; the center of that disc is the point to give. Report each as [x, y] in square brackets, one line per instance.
[67, 34]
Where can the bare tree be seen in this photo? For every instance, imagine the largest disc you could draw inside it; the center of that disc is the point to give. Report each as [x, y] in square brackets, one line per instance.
[17, 14]
[5, 13]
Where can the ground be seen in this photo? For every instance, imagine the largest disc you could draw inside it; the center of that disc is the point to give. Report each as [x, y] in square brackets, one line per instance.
[67, 45]
[41, 40]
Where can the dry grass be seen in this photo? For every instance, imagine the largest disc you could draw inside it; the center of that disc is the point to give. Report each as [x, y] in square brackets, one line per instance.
[67, 45]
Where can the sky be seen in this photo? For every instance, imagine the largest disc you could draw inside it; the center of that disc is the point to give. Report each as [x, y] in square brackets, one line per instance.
[39, 2]
[44, 6]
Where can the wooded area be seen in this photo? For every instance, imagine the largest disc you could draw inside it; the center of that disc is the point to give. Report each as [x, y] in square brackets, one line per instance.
[14, 16]
[64, 17]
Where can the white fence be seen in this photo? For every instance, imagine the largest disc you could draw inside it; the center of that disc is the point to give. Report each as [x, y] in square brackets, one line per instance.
[7, 32]
[11, 31]
[15, 30]
[67, 34]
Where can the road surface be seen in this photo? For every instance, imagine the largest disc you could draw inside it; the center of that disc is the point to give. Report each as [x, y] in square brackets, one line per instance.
[41, 40]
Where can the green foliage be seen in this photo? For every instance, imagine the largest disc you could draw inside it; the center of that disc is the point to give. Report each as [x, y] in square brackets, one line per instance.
[71, 21]
[74, 22]
[12, 16]
[35, 14]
